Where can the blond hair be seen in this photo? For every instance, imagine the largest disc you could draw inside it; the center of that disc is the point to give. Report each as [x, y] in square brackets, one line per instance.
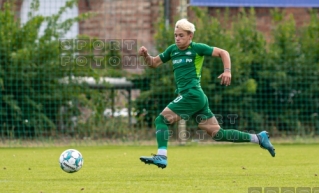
[184, 24]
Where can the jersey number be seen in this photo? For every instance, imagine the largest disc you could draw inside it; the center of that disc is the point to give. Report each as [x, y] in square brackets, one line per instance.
[178, 99]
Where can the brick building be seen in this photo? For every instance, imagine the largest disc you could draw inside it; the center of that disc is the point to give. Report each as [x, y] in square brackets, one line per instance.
[124, 19]
[127, 19]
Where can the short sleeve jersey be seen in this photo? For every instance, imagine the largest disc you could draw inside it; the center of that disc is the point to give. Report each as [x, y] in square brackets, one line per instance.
[187, 64]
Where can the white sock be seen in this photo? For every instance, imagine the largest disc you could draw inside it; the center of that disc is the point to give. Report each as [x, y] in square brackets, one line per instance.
[162, 152]
[254, 138]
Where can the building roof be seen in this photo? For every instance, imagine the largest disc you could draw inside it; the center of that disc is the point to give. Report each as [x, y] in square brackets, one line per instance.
[102, 83]
[255, 3]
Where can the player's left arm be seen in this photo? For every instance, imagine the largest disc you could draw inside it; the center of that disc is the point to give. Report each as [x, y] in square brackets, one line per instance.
[224, 55]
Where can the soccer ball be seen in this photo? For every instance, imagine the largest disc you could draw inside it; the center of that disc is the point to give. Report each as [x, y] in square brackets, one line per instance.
[71, 160]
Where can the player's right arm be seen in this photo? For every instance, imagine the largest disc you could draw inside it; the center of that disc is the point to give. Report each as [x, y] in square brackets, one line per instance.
[152, 62]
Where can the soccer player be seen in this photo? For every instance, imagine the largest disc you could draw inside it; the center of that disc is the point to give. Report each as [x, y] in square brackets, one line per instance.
[187, 58]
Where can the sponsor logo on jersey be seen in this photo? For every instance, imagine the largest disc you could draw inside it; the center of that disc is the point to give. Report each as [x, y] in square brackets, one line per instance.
[178, 61]
[188, 53]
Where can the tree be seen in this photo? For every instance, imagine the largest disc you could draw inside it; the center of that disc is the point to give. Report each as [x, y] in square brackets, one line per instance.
[30, 70]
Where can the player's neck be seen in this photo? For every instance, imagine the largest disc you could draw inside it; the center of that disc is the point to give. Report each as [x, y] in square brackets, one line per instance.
[184, 47]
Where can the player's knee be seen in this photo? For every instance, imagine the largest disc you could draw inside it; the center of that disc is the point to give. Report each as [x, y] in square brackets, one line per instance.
[211, 130]
[160, 119]
[215, 130]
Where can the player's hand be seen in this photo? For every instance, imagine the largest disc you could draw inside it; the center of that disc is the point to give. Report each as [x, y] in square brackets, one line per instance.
[142, 51]
[225, 78]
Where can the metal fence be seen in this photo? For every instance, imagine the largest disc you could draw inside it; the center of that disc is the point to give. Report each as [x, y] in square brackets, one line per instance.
[72, 70]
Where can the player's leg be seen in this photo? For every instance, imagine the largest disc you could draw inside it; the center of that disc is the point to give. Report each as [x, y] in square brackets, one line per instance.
[182, 107]
[212, 127]
[162, 122]
[166, 118]
[210, 124]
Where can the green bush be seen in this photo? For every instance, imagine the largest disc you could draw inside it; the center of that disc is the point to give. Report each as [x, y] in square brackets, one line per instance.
[32, 96]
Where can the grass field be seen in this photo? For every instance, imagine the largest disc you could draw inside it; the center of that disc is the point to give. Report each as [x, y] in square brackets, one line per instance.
[195, 168]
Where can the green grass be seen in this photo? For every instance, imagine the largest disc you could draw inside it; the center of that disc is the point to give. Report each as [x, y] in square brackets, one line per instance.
[197, 168]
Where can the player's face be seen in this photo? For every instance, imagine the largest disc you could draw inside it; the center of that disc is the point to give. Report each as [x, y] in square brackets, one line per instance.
[182, 38]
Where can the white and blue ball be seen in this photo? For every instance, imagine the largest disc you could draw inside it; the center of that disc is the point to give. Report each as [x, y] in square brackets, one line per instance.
[71, 160]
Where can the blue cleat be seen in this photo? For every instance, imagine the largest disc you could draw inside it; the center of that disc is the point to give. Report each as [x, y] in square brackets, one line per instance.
[158, 160]
[264, 142]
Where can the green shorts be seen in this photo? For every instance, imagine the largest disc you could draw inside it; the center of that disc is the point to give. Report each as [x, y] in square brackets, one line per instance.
[191, 104]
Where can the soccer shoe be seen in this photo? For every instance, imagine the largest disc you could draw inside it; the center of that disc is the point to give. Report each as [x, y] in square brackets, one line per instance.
[264, 142]
[158, 160]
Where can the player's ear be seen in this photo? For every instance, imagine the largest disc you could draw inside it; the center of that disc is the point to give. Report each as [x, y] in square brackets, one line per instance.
[191, 35]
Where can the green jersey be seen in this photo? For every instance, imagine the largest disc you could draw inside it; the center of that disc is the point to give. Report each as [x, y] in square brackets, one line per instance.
[187, 64]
